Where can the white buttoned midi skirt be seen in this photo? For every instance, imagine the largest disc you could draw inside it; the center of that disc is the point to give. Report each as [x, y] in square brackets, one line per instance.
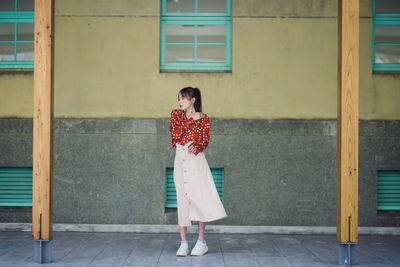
[197, 196]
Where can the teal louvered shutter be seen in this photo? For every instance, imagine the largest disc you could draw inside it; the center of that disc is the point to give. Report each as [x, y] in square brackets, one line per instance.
[170, 198]
[15, 186]
[388, 190]
[218, 175]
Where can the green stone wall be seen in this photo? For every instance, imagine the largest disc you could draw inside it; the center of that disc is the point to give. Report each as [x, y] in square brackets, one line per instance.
[277, 172]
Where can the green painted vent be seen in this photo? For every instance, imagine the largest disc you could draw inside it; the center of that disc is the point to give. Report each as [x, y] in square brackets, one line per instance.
[170, 199]
[15, 186]
[388, 190]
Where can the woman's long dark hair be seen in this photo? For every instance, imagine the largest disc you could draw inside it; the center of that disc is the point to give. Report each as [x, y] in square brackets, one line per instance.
[191, 92]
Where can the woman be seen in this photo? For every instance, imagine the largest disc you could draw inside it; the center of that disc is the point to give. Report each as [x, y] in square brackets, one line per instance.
[197, 196]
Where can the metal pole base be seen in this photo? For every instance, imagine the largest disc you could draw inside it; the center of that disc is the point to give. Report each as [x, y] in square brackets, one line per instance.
[347, 253]
[42, 251]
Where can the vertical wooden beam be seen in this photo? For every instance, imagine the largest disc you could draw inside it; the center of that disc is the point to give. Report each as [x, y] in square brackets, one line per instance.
[43, 115]
[347, 150]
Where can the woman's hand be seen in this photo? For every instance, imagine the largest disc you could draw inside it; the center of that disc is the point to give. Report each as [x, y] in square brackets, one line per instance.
[192, 148]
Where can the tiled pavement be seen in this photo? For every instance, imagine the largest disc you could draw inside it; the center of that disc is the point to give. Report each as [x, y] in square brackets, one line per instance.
[132, 249]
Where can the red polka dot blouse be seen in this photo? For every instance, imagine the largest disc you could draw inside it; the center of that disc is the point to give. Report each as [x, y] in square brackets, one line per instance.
[184, 130]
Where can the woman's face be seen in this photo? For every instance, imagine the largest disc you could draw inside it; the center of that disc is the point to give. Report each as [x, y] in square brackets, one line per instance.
[184, 102]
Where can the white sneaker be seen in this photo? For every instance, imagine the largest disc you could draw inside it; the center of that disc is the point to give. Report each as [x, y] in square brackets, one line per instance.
[183, 250]
[200, 248]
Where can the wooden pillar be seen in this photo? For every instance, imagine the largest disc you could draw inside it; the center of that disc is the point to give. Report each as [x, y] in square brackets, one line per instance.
[347, 123]
[43, 114]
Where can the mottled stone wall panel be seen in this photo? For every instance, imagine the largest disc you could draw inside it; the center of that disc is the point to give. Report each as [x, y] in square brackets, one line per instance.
[277, 172]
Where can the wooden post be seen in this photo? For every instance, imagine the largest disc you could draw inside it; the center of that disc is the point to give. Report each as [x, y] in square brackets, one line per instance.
[43, 115]
[347, 123]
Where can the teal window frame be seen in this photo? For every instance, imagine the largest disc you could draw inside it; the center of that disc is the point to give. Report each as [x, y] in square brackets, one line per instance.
[392, 19]
[388, 188]
[16, 17]
[170, 193]
[196, 18]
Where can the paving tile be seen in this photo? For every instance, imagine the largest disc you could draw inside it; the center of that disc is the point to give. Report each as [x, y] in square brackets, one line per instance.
[34, 264]
[115, 253]
[178, 262]
[273, 262]
[87, 251]
[18, 255]
[308, 264]
[325, 249]
[366, 258]
[10, 241]
[374, 264]
[262, 246]
[235, 251]
[208, 264]
[306, 257]
[147, 251]
[387, 248]
[64, 243]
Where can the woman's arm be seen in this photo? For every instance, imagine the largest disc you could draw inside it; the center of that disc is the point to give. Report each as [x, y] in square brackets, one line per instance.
[177, 125]
[201, 144]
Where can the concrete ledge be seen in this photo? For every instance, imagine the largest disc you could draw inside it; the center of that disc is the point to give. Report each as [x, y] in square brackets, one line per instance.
[216, 229]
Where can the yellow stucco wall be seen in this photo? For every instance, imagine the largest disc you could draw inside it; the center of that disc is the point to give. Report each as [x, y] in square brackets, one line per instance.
[284, 65]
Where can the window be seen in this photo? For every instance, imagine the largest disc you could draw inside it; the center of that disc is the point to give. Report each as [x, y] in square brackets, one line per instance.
[386, 35]
[196, 35]
[170, 198]
[388, 190]
[16, 33]
[16, 186]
